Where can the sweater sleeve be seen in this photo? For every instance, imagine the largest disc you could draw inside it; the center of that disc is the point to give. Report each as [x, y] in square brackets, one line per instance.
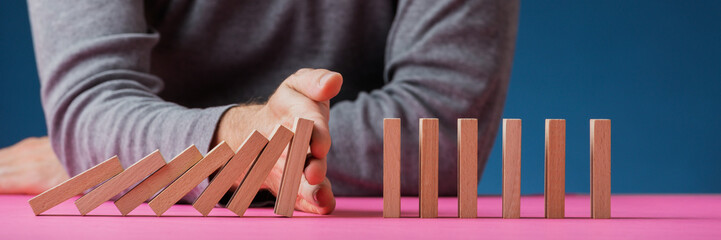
[445, 60]
[98, 95]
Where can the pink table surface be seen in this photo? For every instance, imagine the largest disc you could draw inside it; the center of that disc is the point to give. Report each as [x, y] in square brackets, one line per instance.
[634, 217]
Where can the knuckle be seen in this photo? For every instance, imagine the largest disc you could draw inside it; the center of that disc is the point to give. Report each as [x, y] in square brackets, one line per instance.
[302, 70]
[320, 72]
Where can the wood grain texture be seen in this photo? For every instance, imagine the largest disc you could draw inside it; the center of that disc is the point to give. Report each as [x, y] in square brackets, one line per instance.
[160, 179]
[555, 166]
[75, 185]
[232, 171]
[293, 169]
[600, 168]
[191, 178]
[259, 171]
[135, 173]
[511, 168]
[391, 167]
[467, 167]
[428, 147]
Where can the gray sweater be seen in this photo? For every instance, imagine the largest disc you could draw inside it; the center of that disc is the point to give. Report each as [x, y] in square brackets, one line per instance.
[129, 77]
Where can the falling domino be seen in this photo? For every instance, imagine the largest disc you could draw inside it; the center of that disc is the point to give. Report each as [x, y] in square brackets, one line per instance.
[391, 167]
[160, 179]
[186, 182]
[293, 170]
[555, 166]
[428, 156]
[232, 171]
[467, 167]
[511, 168]
[259, 171]
[135, 173]
[600, 168]
[76, 185]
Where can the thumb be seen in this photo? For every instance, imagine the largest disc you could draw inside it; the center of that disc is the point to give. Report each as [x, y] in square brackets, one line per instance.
[316, 199]
[317, 84]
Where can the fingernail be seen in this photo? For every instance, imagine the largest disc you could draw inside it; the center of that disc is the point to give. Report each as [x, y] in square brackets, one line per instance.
[315, 196]
[325, 78]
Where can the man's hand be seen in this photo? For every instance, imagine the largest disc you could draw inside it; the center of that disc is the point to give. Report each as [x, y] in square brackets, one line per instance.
[305, 94]
[30, 167]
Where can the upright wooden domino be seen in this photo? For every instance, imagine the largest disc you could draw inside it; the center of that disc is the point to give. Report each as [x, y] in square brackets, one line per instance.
[555, 166]
[511, 168]
[428, 148]
[467, 167]
[160, 179]
[391, 167]
[293, 169]
[231, 172]
[135, 173]
[259, 171]
[75, 185]
[191, 178]
[600, 168]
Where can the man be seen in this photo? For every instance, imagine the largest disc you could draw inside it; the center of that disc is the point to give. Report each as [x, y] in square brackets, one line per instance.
[129, 77]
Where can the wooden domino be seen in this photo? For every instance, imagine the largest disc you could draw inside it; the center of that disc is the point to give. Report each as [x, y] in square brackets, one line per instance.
[467, 167]
[75, 185]
[135, 173]
[160, 179]
[428, 156]
[555, 168]
[293, 169]
[191, 178]
[259, 171]
[232, 171]
[511, 168]
[391, 167]
[600, 168]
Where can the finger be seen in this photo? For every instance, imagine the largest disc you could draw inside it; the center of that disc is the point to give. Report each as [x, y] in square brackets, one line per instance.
[318, 85]
[317, 199]
[320, 140]
[315, 170]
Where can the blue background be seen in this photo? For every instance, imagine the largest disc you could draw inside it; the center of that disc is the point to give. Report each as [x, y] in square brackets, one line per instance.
[653, 67]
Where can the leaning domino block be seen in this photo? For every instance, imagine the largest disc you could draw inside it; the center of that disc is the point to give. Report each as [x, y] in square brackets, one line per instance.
[232, 171]
[173, 193]
[293, 169]
[120, 182]
[260, 169]
[158, 180]
[76, 185]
